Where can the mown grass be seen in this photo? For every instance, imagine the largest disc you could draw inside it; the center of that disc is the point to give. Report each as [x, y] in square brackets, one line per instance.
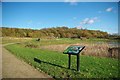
[55, 64]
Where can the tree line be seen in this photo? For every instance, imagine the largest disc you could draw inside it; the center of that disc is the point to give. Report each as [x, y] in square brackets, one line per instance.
[58, 32]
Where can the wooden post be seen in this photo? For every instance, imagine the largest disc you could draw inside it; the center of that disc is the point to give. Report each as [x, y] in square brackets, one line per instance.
[69, 61]
[110, 52]
[78, 63]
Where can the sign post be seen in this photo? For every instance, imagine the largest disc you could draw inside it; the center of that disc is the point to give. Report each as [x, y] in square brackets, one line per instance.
[74, 50]
[69, 61]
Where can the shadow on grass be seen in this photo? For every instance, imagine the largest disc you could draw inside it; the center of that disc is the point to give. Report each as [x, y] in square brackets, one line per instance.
[40, 61]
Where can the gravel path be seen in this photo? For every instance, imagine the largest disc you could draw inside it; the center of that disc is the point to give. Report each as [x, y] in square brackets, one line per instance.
[15, 68]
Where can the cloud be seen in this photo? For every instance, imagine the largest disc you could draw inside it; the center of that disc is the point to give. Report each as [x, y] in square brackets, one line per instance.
[109, 9]
[79, 27]
[72, 2]
[89, 20]
[85, 21]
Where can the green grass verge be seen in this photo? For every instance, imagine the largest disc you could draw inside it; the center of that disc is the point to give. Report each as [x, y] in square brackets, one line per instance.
[55, 63]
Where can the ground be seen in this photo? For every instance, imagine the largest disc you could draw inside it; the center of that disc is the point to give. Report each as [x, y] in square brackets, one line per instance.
[52, 62]
[15, 68]
[0, 61]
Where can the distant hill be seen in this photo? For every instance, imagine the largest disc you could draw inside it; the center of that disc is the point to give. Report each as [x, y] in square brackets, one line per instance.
[58, 32]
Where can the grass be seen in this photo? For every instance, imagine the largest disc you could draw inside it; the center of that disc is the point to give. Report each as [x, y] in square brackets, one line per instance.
[6, 40]
[94, 46]
[43, 42]
[55, 64]
[67, 41]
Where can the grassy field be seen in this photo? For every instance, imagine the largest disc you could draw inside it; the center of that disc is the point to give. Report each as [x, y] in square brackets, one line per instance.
[55, 63]
[6, 40]
[68, 41]
[94, 46]
[53, 41]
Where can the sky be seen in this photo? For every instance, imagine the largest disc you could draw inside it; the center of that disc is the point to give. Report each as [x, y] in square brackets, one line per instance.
[37, 15]
[60, 0]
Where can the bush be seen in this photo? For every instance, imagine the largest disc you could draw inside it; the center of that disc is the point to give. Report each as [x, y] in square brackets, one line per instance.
[31, 46]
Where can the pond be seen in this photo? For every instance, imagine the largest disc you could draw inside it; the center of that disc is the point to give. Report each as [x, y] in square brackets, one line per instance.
[111, 43]
[114, 44]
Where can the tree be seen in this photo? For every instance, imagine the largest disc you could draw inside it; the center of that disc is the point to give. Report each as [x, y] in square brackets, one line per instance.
[59, 32]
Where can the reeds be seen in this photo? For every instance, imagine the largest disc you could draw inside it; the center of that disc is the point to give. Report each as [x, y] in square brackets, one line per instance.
[100, 50]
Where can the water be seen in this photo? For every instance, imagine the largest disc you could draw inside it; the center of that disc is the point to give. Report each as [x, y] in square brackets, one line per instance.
[111, 44]
[114, 44]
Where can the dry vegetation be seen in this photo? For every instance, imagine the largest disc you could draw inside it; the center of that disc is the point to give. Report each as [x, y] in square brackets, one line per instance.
[100, 50]
[91, 48]
[6, 40]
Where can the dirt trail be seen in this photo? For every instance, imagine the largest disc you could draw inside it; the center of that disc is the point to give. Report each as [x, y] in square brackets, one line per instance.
[0, 62]
[15, 68]
[9, 43]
